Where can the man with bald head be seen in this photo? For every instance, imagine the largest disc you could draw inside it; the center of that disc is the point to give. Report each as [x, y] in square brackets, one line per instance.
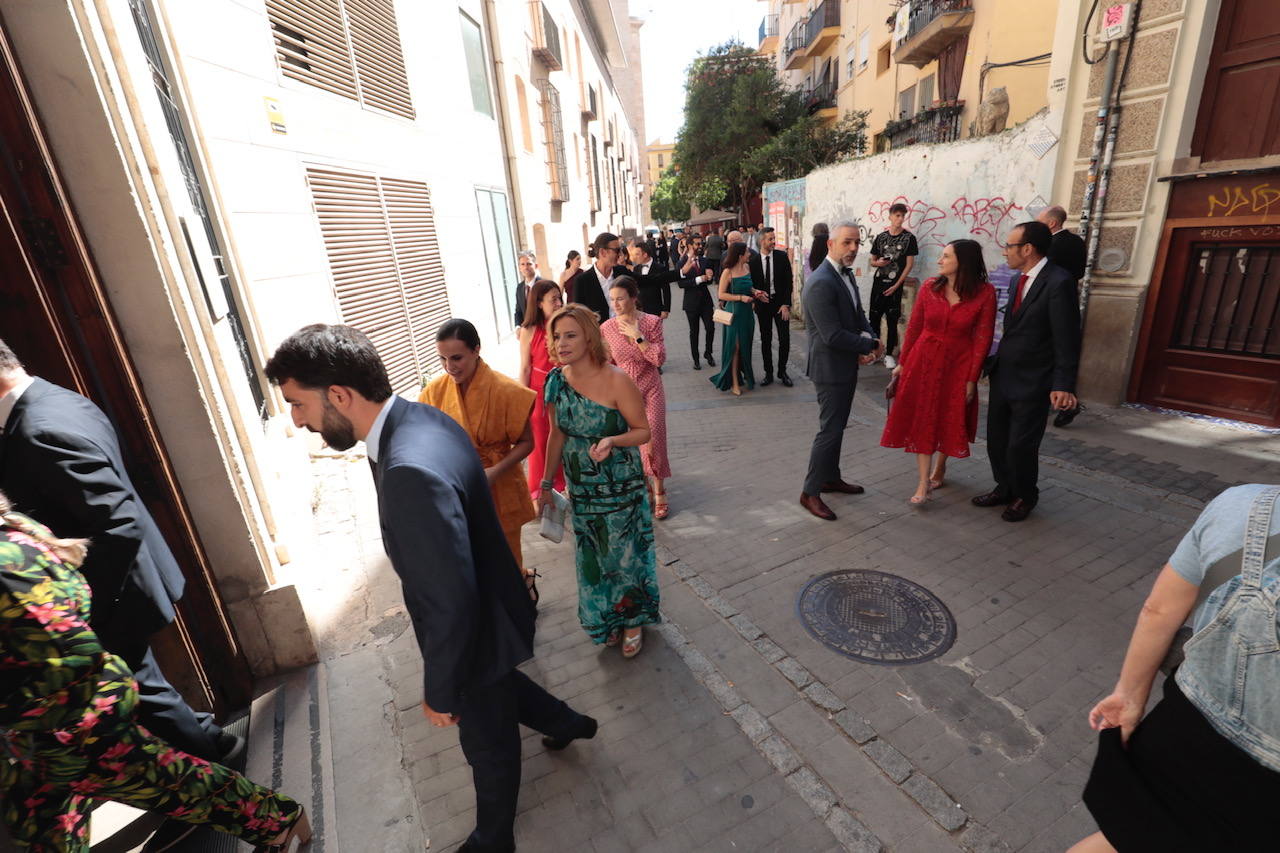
[1067, 251]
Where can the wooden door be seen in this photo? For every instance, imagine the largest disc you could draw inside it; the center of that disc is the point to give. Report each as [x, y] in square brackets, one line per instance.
[1239, 115]
[1214, 338]
[55, 315]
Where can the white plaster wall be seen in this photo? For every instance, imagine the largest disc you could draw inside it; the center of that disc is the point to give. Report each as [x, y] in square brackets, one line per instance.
[975, 188]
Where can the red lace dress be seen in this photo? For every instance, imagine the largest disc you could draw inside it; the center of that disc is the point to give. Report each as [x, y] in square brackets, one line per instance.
[944, 349]
[540, 364]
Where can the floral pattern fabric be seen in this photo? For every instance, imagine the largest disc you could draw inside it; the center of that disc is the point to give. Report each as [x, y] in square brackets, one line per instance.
[67, 725]
[612, 523]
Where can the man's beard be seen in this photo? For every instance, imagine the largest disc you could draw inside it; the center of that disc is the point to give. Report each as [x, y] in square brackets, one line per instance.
[336, 430]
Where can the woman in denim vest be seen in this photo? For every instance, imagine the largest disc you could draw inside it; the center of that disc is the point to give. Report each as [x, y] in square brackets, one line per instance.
[1201, 772]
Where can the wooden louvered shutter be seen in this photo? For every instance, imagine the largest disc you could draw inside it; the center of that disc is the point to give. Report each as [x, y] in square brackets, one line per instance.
[311, 44]
[417, 251]
[357, 239]
[379, 60]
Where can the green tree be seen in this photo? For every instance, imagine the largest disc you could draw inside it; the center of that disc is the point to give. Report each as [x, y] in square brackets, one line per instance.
[805, 146]
[668, 202]
[734, 103]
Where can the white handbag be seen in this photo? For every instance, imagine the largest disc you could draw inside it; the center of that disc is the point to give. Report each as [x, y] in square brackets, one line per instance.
[553, 515]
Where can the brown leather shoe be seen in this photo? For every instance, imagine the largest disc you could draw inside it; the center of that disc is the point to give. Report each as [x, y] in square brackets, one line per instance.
[814, 504]
[991, 498]
[1017, 511]
[842, 487]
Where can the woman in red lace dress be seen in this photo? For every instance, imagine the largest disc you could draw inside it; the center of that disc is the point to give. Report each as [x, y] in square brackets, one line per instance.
[934, 413]
[535, 363]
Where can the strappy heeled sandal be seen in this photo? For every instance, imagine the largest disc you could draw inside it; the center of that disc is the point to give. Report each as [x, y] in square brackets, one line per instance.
[531, 584]
[660, 508]
[613, 639]
[299, 831]
[631, 645]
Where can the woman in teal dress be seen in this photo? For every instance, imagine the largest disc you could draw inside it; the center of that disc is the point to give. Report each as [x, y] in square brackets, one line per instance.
[737, 294]
[598, 423]
[69, 734]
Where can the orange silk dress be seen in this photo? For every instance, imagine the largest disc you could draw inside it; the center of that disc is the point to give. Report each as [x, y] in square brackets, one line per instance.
[494, 413]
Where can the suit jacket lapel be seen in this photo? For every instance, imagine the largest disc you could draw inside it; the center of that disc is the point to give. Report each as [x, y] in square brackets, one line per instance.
[384, 439]
[1033, 291]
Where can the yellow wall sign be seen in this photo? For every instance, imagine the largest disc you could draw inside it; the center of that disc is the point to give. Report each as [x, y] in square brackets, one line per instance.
[274, 116]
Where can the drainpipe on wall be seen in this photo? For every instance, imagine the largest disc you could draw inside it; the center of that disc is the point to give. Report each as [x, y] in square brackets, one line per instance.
[504, 125]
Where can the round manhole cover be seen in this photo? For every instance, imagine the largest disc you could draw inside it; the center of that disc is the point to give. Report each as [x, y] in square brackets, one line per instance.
[876, 617]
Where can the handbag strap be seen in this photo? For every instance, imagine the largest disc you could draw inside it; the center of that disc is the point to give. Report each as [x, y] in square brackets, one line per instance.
[1234, 563]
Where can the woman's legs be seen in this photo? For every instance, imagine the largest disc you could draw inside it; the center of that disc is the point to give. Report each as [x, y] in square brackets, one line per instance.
[1096, 843]
[923, 461]
[939, 474]
[659, 497]
[734, 369]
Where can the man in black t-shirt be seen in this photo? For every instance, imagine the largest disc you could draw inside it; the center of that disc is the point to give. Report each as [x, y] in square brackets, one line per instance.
[893, 254]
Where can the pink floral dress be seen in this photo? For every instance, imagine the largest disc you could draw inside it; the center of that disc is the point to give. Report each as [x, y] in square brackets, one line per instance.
[642, 367]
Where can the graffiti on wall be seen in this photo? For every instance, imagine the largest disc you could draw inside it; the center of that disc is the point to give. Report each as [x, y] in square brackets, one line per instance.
[1237, 201]
[982, 219]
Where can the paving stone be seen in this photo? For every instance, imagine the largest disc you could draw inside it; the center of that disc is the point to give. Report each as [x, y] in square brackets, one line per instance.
[780, 754]
[745, 627]
[699, 585]
[753, 724]
[723, 691]
[895, 765]
[934, 800]
[820, 695]
[795, 673]
[977, 839]
[720, 606]
[769, 650]
[812, 790]
[854, 726]
[851, 833]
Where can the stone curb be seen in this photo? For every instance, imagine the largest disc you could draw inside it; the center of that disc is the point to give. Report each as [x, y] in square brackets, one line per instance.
[924, 791]
[800, 777]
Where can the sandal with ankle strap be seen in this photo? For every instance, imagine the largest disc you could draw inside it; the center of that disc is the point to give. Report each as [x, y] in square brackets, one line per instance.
[660, 508]
[531, 584]
[631, 645]
[299, 831]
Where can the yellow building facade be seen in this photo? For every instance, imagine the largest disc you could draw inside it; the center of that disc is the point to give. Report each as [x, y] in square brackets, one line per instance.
[921, 68]
[660, 154]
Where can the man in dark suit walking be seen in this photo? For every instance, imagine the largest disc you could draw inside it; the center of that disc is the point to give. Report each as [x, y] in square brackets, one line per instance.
[840, 339]
[1033, 369]
[465, 595]
[589, 286]
[1067, 251]
[60, 462]
[528, 264]
[652, 278]
[771, 271]
[699, 307]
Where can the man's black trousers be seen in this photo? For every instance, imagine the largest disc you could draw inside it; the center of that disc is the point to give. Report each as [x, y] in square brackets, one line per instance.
[1014, 431]
[769, 316]
[701, 315]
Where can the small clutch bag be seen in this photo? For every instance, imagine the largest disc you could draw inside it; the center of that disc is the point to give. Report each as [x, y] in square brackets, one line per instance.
[723, 317]
[553, 515]
[891, 388]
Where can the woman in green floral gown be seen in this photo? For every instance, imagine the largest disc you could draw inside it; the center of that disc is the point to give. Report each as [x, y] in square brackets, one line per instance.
[598, 422]
[67, 726]
[737, 295]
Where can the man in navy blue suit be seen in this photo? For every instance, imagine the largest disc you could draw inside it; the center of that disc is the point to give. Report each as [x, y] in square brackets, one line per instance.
[465, 595]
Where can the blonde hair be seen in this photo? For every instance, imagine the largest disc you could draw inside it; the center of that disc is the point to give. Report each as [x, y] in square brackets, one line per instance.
[69, 551]
[590, 323]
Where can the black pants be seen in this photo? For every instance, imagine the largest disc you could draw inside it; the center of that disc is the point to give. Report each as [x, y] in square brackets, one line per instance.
[768, 316]
[162, 710]
[888, 307]
[835, 400]
[1014, 431]
[489, 720]
[702, 314]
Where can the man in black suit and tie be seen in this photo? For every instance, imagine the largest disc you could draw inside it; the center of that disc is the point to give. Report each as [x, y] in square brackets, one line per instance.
[60, 462]
[840, 339]
[699, 307]
[1067, 251]
[465, 595]
[652, 278]
[771, 272]
[589, 286]
[1033, 369]
[528, 263]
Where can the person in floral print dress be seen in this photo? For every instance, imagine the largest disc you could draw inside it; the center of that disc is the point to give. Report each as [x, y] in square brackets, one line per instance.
[68, 725]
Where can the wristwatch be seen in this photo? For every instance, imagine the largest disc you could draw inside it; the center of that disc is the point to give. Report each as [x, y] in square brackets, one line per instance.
[639, 340]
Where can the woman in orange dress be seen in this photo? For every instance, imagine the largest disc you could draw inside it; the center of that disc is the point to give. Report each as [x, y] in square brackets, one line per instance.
[535, 363]
[934, 413]
[495, 411]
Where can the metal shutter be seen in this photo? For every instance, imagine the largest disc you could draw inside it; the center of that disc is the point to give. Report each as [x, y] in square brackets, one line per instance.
[311, 44]
[379, 234]
[379, 60]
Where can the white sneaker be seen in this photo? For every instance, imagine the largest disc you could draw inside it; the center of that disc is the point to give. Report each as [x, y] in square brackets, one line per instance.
[890, 362]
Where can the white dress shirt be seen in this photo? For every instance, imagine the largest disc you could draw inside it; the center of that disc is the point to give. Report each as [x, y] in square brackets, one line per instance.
[848, 284]
[375, 431]
[1031, 277]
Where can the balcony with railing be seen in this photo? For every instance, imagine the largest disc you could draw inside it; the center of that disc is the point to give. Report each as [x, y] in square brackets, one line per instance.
[932, 26]
[793, 51]
[769, 34]
[930, 125]
[820, 100]
[823, 27]
[590, 100]
[553, 135]
[546, 36]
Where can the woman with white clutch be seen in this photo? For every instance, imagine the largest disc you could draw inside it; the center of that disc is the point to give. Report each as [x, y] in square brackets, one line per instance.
[739, 320]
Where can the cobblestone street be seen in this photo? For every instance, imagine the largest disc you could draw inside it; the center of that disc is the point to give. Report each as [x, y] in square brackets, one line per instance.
[734, 729]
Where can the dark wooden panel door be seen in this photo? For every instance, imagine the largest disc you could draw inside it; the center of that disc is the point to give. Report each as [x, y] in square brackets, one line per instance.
[55, 315]
[1239, 114]
[1214, 345]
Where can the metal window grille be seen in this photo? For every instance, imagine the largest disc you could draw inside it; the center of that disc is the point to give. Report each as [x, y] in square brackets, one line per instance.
[348, 47]
[553, 132]
[1231, 301]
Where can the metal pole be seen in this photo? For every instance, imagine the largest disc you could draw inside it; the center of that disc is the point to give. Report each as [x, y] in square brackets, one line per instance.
[1100, 201]
[1099, 129]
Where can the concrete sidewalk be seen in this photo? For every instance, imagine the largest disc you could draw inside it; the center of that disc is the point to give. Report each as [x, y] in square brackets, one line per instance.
[734, 729]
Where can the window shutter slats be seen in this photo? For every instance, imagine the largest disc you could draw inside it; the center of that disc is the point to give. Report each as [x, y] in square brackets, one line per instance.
[379, 61]
[384, 255]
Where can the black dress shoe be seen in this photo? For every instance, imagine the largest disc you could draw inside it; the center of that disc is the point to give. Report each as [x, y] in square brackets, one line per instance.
[586, 732]
[697, 365]
[768, 380]
[784, 378]
[711, 361]
[842, 487]
[1017, 511]
[991, 498]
